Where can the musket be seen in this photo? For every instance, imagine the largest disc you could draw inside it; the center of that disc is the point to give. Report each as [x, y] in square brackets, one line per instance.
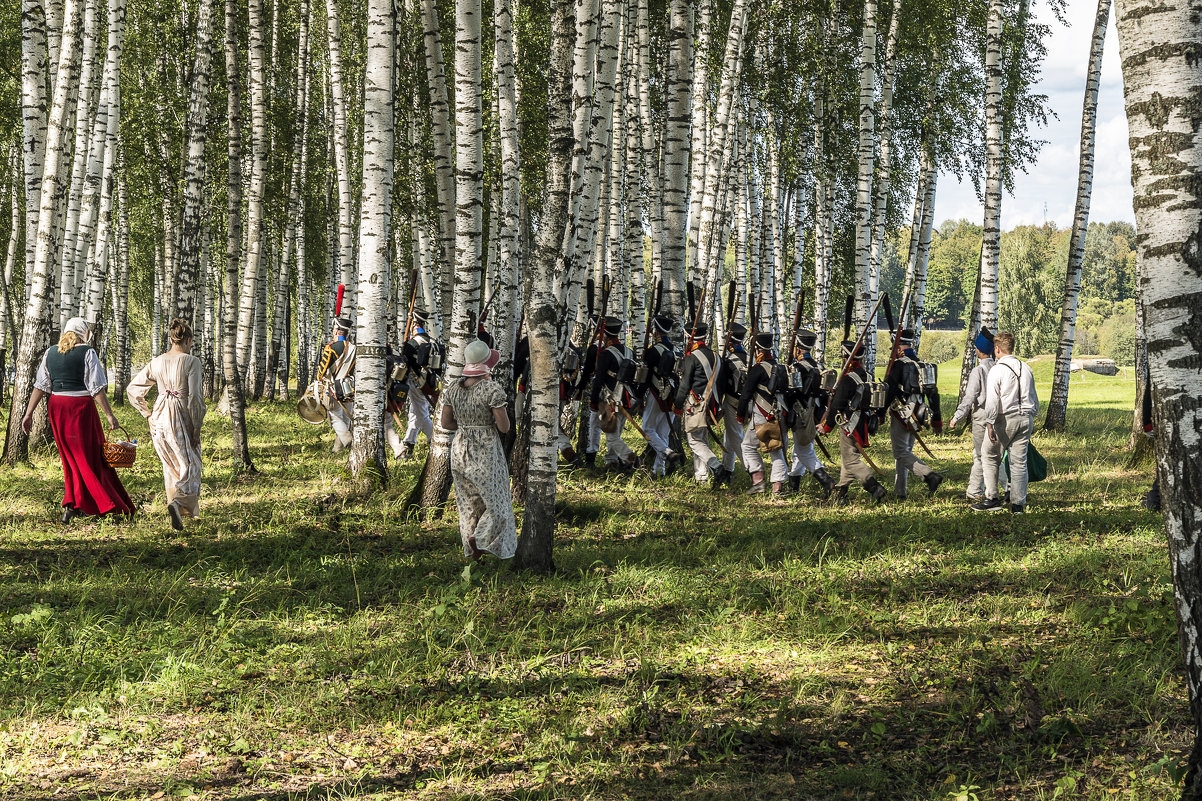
[796, 325]
[488, 305]
[633, 422]
[859, 341]
[412, 300]
[732, 303]
[697, 313]
[822, 447]
[599, 334]
[652, 309]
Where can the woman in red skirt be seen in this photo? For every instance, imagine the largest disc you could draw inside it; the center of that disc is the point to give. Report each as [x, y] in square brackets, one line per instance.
[71, 374]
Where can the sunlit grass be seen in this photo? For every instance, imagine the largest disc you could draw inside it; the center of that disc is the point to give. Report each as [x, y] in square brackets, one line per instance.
[301, 642]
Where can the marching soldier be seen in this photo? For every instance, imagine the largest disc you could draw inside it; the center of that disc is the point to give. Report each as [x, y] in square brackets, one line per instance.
[423, 356]
[849, 411]
[911, 408]
[660, 360]
[731, 377]
[807, 402]
[336, 373]
[611, 400]
[696, 399]
[973, 406]
[761, 411]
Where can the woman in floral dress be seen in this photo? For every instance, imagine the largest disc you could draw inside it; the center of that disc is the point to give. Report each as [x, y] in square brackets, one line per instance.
[474, 408]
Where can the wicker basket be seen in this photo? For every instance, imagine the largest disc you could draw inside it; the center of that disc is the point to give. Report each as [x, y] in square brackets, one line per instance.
[118, 454]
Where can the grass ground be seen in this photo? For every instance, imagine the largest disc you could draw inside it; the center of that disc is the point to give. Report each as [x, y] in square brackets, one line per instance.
[300, 643]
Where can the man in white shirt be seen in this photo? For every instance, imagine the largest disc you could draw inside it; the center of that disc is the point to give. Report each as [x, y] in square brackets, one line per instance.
[1010, 408]
[972, 407]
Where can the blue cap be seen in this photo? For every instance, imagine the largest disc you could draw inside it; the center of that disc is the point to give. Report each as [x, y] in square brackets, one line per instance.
[984, 342]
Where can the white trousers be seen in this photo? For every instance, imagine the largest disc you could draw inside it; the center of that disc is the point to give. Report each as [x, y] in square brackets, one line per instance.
[657, 425]
[703, 454]
[342, 415]
[391, 435]
[805, 459]
[419, 417]
[904, 460]
[732, 436]
[615, 449]
[755, 463]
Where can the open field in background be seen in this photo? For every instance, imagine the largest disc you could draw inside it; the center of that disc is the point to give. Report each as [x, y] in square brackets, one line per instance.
[298, 643]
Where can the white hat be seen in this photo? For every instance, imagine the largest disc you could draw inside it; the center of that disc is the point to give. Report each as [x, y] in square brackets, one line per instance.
[476, 352]
[79, 326]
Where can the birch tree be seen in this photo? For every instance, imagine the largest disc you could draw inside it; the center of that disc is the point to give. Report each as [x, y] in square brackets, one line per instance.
[367, 451]
[676, 154]
[35, 332]
[1058, 404]
[543, 318]
[235, 401]
[194, 164]
[865, 154]
[1162, 78]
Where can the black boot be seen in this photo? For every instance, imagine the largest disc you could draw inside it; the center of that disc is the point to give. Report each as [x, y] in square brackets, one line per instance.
[794, 484]
[874, 488]
[590, 459]
[840, 495]
[828, 483]
[932, 480]
[728, 475]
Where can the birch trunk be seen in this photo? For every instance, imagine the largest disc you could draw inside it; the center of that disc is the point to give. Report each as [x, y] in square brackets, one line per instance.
[699, 161]
[884, 169]
[194, 165]
[35, 332]
[122, 375]
[865, 154]
[341, 155]
[469, 205]
[991, 229]
[8, 333]
[33, 118]
[444, 164]
[1162, 76]
[508, 234]
[233, 244]
[1058, 404]
[367, 452]
[81, 117]
[709, 255]
[535, 547]
[676, 155]
[247, 302]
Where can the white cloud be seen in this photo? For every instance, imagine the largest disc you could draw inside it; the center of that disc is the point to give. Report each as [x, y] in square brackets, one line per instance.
[1052, 179]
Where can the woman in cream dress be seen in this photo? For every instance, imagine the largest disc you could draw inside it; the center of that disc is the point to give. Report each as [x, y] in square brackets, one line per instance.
[175, 420]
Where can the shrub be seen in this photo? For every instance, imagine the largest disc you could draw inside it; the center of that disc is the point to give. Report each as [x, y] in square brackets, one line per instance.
[1117, 339]
[941, 346]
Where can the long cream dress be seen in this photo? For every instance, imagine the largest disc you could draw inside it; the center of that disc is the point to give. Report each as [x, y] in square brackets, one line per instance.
[174, 422]
[479, 470]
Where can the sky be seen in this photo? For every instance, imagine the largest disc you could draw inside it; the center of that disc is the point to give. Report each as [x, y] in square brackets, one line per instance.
[1052, 179]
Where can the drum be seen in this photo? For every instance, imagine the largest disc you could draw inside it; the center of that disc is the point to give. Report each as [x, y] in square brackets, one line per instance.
[928, 376]
[310, 408]
[877, 393]
[829, 379]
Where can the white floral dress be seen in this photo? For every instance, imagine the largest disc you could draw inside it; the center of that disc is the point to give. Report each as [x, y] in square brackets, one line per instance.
[479, 469]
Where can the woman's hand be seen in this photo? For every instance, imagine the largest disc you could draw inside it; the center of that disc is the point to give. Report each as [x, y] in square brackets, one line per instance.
[27, 423]
[113, 424]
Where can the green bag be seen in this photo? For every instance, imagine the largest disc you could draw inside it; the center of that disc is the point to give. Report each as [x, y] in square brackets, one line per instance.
[1037, 466]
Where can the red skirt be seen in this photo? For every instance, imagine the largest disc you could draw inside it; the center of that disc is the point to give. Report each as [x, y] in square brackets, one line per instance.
[90, 485]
